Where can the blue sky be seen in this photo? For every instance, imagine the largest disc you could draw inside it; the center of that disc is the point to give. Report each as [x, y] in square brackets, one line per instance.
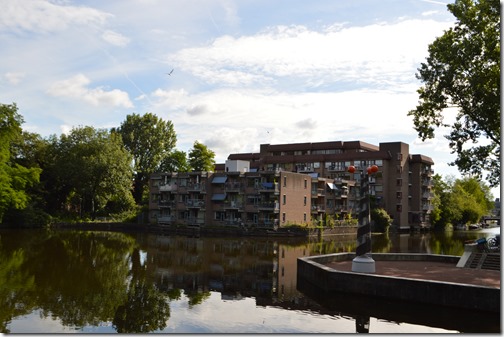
[245, 72]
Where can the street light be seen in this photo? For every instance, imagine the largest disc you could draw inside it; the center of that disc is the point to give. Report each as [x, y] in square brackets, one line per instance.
[363, 262]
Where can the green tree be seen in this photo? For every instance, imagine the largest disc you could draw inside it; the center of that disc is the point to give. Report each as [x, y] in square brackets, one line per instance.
[460, 201]
[150, 140]
[175, 162]
[442, 213]
[471, 199]
[15, 179]
[92, 169]
[463, 71]
[29, 150]
[201, 158]
[381, 219]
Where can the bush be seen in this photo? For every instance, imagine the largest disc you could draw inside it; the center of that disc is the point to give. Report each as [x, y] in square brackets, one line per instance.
[381, 220]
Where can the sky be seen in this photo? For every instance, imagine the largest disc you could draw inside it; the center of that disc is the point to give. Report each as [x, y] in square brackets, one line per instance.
[231, 74]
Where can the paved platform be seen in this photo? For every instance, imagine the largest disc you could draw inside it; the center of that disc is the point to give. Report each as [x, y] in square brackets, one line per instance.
[429, 270]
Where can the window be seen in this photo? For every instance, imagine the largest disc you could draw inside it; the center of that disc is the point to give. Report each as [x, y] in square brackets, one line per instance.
[399, 156]
[399, 208]
[399, 169]
[399, 182]
[305, 184]
[283, 217]
[399, 195]
[284, 199]
[285, 181]
[304, 217]
[305, 200]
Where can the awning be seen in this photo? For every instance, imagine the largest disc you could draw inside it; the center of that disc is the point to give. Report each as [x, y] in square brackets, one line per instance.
[332, 186]
[219, 180]
[218, 196]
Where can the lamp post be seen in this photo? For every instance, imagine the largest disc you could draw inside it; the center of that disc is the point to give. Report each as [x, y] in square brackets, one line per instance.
[363, 262]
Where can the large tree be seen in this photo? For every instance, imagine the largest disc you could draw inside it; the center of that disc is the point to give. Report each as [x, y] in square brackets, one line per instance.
[150, 140]
[460, 201]
[91, 170]
[15, 179]
[463, 71]
[201, 158]
[176, 162]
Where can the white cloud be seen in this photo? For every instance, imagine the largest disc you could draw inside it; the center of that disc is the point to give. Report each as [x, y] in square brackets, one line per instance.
[377, 54]
[115, 38]
[14, 77]
[259, 116]
[76, 88]
[41, 16]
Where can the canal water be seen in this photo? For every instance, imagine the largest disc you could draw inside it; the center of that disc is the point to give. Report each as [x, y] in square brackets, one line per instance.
[70, 281]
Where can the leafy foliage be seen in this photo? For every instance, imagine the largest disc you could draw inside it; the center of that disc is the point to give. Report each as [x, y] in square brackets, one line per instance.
[381, 219]
[90, 169]
[150, 140]
[176, 162]
[459, 201]
[463, 71]
[201, 158]
[15, 179]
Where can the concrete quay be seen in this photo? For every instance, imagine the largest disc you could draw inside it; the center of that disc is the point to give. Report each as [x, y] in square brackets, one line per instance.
[418, 278]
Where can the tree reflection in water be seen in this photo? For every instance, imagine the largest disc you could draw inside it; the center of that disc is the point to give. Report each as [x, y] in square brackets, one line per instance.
[90, 279]
[146, 309]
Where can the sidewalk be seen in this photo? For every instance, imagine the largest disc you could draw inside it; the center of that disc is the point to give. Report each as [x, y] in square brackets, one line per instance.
[429, 270]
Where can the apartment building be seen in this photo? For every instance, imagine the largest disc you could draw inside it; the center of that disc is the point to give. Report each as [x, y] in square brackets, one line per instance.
[297, 183]
[245, 198]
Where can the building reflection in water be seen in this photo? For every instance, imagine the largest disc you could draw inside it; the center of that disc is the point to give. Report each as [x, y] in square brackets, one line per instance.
[119, 273]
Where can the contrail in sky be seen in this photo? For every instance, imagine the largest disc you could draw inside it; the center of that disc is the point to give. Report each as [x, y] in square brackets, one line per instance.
[113, 59]
[213, 21]
[435, 2]
[125, 74]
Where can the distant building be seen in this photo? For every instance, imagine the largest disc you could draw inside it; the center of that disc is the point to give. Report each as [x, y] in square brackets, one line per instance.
[296, 183]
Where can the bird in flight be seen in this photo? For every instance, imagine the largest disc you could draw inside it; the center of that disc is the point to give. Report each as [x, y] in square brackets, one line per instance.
[169, 74]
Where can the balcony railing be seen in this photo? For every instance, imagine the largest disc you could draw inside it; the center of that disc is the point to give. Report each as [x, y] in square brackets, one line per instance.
[269, 206]
[168, 219]
[195, 203]
[233, 204]
[166, 203]
[196, 187]
[168, 188]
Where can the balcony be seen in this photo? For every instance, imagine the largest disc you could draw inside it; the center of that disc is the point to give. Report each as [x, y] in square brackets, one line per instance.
[232, 205]
[233, 187]
[196, 187]
[426, 207]
[268, 187]
[317, 208]
[195, 203]
[335, 168]
[166, 203]
[168, 188]
[305, 169]
[427, 195]
[320, 192]
[269, 206]
[166, 220]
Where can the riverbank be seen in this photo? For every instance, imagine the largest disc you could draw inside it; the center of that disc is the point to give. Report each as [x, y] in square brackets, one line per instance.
[208, 231]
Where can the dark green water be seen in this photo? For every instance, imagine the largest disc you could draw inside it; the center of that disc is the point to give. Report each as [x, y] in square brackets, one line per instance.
[107, 282]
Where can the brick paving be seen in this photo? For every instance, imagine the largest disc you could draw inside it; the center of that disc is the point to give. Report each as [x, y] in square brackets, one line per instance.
[426, 270]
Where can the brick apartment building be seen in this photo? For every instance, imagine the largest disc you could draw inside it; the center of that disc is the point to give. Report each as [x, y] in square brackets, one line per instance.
[296, 183]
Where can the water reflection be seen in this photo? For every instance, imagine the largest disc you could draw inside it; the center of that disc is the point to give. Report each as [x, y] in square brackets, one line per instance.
[130, 282]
